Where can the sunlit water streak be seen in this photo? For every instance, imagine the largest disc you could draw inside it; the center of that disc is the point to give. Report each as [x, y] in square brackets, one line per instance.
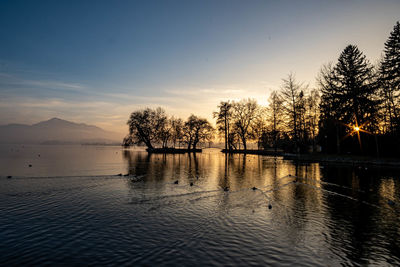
[69, 209]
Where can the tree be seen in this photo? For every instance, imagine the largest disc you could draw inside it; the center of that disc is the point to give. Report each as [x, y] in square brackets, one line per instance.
[244, 112]
[144, 126]
[349, 93]
[355, 87]
[329, 108]
[176, 130]
[312, 115]
[164, 132]
[390, 78]
[292, 96]
[301, 107]
[259, 126]
[275, 117]
[224, 115]
[196, 130]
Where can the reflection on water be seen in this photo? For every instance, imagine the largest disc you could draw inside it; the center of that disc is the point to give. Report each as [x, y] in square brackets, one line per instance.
[212, 169]
[320, 215]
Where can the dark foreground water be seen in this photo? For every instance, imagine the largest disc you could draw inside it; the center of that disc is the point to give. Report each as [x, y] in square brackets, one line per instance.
[70, 208]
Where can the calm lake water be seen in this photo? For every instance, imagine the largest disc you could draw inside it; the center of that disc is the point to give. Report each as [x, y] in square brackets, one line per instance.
[70, 208]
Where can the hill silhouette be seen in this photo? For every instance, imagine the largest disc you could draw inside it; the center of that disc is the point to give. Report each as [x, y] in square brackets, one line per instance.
[56, 131]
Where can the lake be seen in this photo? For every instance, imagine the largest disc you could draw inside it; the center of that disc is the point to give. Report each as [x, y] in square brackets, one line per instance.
[70, 207]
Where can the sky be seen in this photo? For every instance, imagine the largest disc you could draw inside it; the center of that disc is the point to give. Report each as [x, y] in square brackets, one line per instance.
[97, 61]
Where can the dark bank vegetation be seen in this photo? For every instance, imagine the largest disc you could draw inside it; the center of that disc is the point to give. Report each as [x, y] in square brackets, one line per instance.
[354, 110]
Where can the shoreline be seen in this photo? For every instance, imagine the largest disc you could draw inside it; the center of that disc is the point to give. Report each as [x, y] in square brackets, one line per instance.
[172, 150]
[324, 158]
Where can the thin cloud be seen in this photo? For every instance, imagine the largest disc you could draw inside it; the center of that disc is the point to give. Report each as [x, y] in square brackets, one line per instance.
[55, 84]
[16, 81]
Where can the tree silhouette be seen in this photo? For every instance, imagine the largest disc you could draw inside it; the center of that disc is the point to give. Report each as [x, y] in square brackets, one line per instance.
[244, 112]
[176, 130]
[292, 93]
[348, 93]
[259, 126]
[275, 118]
[146, 126]
[312, 115]
[329, 108]
[224, 116]
[390, 78]
[164, 132]
[196, 130]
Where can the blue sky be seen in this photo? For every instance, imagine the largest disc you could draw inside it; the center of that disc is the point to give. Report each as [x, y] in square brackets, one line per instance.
[97, 61]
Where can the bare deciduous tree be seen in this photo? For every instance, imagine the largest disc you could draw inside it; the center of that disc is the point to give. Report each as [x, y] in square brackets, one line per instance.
[196, 130]
[144, 126]
[224, 117]
[275, 117]
[244, 112]
[292, 93]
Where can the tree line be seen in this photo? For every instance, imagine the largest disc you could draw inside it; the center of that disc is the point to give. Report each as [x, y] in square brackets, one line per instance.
[154, 127]
[354, 108]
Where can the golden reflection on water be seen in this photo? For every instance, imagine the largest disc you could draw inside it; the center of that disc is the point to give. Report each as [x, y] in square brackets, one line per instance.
[387, 189]
[214, 170]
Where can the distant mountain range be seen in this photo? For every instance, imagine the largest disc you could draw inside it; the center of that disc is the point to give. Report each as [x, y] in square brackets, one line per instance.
[56, 131]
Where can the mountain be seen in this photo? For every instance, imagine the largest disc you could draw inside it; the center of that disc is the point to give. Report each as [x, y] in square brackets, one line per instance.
[56, 131]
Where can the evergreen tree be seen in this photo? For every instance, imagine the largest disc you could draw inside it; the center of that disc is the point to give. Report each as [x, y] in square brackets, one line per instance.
[350, 89]
[349, 94]
[390, 78]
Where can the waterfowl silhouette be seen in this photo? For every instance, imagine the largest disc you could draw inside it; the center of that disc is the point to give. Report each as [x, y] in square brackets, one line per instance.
[226, 189]
[254, 188]
[176, 182]
[191, 184]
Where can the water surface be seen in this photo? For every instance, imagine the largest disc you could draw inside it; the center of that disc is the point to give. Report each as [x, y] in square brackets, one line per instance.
[71, 208]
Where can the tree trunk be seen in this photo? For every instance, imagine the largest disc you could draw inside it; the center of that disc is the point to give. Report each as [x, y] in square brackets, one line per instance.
[226, 134]
[377, 145]
[149, 145]
[337, 140]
